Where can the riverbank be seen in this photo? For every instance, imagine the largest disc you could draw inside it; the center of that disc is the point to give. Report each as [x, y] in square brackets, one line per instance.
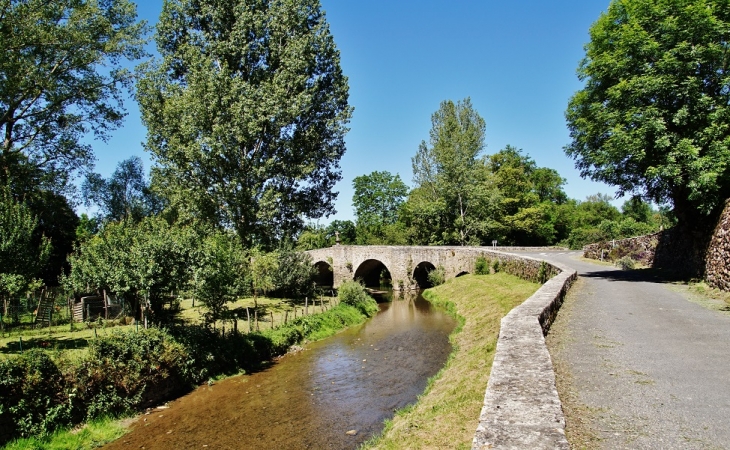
[447, 414]
[202, 355]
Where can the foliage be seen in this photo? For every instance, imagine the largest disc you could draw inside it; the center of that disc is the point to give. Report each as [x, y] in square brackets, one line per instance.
[481, 266]
[264, 268]
[626, 263]
[124, 371]
[125, 195]
[346, 230]
[62, 72]
[87, 227]
[378, 197]
[353, 294]
[31, 385]
[296, 275]
[543, 273]
[454, 198]
[220, 265]
[316, 236]
[57, 222]
[141, 262]
[437, 276]
[312, 237]
[377, 200]
[637, 209]
[21, 257]
[596, 220]
[246, 114]
[654, 118]
[529, 198]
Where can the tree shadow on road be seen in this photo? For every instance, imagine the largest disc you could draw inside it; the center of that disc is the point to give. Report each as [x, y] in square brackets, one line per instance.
[649, 275]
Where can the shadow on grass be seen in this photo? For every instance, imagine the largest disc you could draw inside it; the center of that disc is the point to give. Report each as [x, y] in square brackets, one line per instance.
[45, 343]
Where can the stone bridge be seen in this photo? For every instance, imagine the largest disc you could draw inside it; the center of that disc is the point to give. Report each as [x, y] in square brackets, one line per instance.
[406, 266]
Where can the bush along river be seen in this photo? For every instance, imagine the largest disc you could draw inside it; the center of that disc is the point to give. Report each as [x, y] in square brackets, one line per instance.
[334, 394]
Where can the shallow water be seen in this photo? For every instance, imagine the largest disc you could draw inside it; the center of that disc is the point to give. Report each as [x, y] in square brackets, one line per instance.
[311, 399]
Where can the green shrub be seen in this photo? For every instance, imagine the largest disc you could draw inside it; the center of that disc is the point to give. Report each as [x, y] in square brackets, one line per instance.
[34, 399]
[125, 371]
[437, 276]
[626, 263]
[353, 293]
[496, 265]
[481, 266]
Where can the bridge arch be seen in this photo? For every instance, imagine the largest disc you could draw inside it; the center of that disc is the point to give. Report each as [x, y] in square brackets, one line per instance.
[461, 274]
[420, 274]
[325, 274]
[373, 273]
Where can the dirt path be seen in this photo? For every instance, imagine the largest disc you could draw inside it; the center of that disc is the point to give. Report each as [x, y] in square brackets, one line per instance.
[638, 365]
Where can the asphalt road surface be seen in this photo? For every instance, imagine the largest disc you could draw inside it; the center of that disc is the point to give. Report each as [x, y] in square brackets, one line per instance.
[639, 366]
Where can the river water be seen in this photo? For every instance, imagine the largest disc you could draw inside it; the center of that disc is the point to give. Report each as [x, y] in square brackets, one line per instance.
[311, 399]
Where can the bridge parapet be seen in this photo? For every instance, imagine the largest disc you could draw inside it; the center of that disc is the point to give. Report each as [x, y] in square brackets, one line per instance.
[402, 261]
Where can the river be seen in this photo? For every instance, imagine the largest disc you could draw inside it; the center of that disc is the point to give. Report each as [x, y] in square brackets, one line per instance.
[311, 399]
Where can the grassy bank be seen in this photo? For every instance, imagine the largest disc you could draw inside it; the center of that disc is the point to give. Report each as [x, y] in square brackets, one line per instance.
[447, 414]
[92, 435]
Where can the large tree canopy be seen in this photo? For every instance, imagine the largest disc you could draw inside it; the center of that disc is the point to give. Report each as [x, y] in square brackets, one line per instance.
[60, 77]
[377, 198]
[654, 116]
[246, 114]
[377, 201]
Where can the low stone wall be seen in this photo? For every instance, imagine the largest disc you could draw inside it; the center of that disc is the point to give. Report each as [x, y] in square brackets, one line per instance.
[521, 405]
[640, 248]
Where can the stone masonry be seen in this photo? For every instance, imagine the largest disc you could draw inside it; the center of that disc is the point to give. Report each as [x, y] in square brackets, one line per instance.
[401, 261]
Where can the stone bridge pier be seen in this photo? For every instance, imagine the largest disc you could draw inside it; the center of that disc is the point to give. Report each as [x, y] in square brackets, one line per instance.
[406, 266]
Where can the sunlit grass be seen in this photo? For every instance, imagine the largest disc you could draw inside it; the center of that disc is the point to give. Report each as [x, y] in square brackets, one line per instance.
[447, 414]
[92, 435]
[263, 314]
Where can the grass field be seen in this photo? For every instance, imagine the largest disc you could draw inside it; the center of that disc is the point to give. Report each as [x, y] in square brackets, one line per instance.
[263, 313]
[447, 414]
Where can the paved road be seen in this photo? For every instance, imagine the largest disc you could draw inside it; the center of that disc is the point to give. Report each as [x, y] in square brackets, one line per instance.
[641, 366]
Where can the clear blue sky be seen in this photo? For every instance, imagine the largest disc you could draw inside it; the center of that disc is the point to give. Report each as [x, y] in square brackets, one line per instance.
[516, 60]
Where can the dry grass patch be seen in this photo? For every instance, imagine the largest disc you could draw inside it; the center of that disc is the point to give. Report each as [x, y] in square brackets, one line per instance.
[447, 414]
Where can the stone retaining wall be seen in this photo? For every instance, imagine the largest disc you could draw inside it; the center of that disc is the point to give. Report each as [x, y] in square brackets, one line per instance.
[521, 406]
[640, 248]
[717, 264]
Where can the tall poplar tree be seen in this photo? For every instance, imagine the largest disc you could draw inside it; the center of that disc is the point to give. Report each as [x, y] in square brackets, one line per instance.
[454, 200]
[246, 114]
